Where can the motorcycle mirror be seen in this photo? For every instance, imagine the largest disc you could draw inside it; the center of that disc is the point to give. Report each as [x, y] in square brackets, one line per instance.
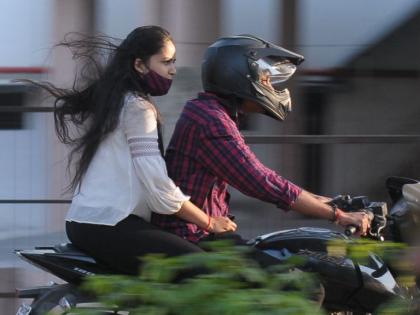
[411, 193]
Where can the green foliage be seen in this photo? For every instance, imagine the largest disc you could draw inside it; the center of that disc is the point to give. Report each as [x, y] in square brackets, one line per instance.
[225, 282]
[400, 307]
[394, 254]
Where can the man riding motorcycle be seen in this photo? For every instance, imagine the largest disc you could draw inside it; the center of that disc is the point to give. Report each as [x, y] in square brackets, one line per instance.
[240, 74]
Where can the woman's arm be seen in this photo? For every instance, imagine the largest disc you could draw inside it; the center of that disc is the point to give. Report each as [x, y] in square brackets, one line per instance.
[163, 196]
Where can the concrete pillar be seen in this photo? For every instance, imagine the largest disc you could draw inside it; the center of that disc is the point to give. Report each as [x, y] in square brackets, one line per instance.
[118, 18]
[307, 112]
[69, 16]
[289, 24]
[293, 156]
[8, 280]
[194, 24]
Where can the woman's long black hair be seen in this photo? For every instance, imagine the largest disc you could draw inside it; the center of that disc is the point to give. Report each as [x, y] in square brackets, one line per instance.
[94, 107]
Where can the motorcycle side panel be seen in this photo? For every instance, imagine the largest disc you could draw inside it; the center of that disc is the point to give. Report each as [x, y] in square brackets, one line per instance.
[348, 285]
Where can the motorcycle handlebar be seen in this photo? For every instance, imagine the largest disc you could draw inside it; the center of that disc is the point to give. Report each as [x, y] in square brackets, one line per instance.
[374, 230]
[350, 230]
[377, 212]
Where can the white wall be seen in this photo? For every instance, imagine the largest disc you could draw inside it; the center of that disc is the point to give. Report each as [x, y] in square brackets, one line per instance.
[25, 34]
[32, 163]
[25, 28]
[24, 176]
[332, 31]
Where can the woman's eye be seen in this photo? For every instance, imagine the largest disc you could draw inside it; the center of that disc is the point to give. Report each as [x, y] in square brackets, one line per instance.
[167, 62]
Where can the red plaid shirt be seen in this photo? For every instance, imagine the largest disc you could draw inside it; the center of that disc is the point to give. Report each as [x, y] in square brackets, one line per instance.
[205, 154]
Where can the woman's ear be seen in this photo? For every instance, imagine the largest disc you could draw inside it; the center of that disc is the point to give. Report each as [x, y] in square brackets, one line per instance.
[139, 66]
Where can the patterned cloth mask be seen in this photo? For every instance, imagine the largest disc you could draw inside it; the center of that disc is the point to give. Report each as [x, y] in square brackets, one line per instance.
[156, 84]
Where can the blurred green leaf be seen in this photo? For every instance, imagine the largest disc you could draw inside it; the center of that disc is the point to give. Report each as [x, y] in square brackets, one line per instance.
[228, 283]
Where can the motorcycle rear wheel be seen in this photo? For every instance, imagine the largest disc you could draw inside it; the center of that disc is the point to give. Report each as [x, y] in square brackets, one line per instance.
[57, 300]
[61, 299]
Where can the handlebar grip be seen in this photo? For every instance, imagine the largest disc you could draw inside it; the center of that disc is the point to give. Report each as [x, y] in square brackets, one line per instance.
[350, 230]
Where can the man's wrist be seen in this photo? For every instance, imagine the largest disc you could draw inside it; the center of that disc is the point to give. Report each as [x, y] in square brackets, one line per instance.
[334, 213]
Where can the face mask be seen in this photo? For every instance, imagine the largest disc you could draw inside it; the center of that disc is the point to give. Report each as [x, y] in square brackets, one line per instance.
[156, 85]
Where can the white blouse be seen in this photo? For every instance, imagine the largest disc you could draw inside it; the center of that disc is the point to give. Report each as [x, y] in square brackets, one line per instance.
[127, 175]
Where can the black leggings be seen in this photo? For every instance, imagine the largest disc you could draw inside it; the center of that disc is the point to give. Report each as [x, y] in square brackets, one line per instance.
[113, 245]
[119, 247]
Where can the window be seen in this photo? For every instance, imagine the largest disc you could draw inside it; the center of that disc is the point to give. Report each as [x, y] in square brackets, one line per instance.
[11, 96]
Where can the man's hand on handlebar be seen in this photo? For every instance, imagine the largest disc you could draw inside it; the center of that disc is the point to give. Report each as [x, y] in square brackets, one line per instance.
[360, 220]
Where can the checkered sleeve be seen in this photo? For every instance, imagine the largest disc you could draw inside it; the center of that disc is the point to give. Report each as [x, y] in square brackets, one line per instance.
[225, 153]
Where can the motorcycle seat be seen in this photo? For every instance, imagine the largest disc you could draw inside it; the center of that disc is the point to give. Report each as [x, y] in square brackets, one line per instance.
[68, 248]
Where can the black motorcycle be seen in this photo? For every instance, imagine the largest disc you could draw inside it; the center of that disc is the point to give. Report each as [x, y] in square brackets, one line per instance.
[350, 287]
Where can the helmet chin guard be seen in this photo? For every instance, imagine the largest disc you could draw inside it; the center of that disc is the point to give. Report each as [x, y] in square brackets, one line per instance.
[248, 67]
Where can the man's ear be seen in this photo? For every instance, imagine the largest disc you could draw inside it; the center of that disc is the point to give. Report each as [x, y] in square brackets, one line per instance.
[139, 66]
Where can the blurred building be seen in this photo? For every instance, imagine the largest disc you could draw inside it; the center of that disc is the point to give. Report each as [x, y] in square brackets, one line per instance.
[360, 77]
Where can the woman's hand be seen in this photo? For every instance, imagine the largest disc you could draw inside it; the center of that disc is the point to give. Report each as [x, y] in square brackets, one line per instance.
[221, 225]
[190, 213]
[361, 220]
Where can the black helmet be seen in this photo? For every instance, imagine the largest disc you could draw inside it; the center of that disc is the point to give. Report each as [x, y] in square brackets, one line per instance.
[236, 66]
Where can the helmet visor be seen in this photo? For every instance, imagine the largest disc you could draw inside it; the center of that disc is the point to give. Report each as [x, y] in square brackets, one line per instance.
[275, 71]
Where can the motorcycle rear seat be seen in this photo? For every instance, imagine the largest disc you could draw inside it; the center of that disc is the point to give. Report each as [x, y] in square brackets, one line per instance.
[68, 248]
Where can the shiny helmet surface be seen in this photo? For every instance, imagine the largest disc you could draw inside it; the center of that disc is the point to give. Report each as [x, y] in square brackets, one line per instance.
[248, 67]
